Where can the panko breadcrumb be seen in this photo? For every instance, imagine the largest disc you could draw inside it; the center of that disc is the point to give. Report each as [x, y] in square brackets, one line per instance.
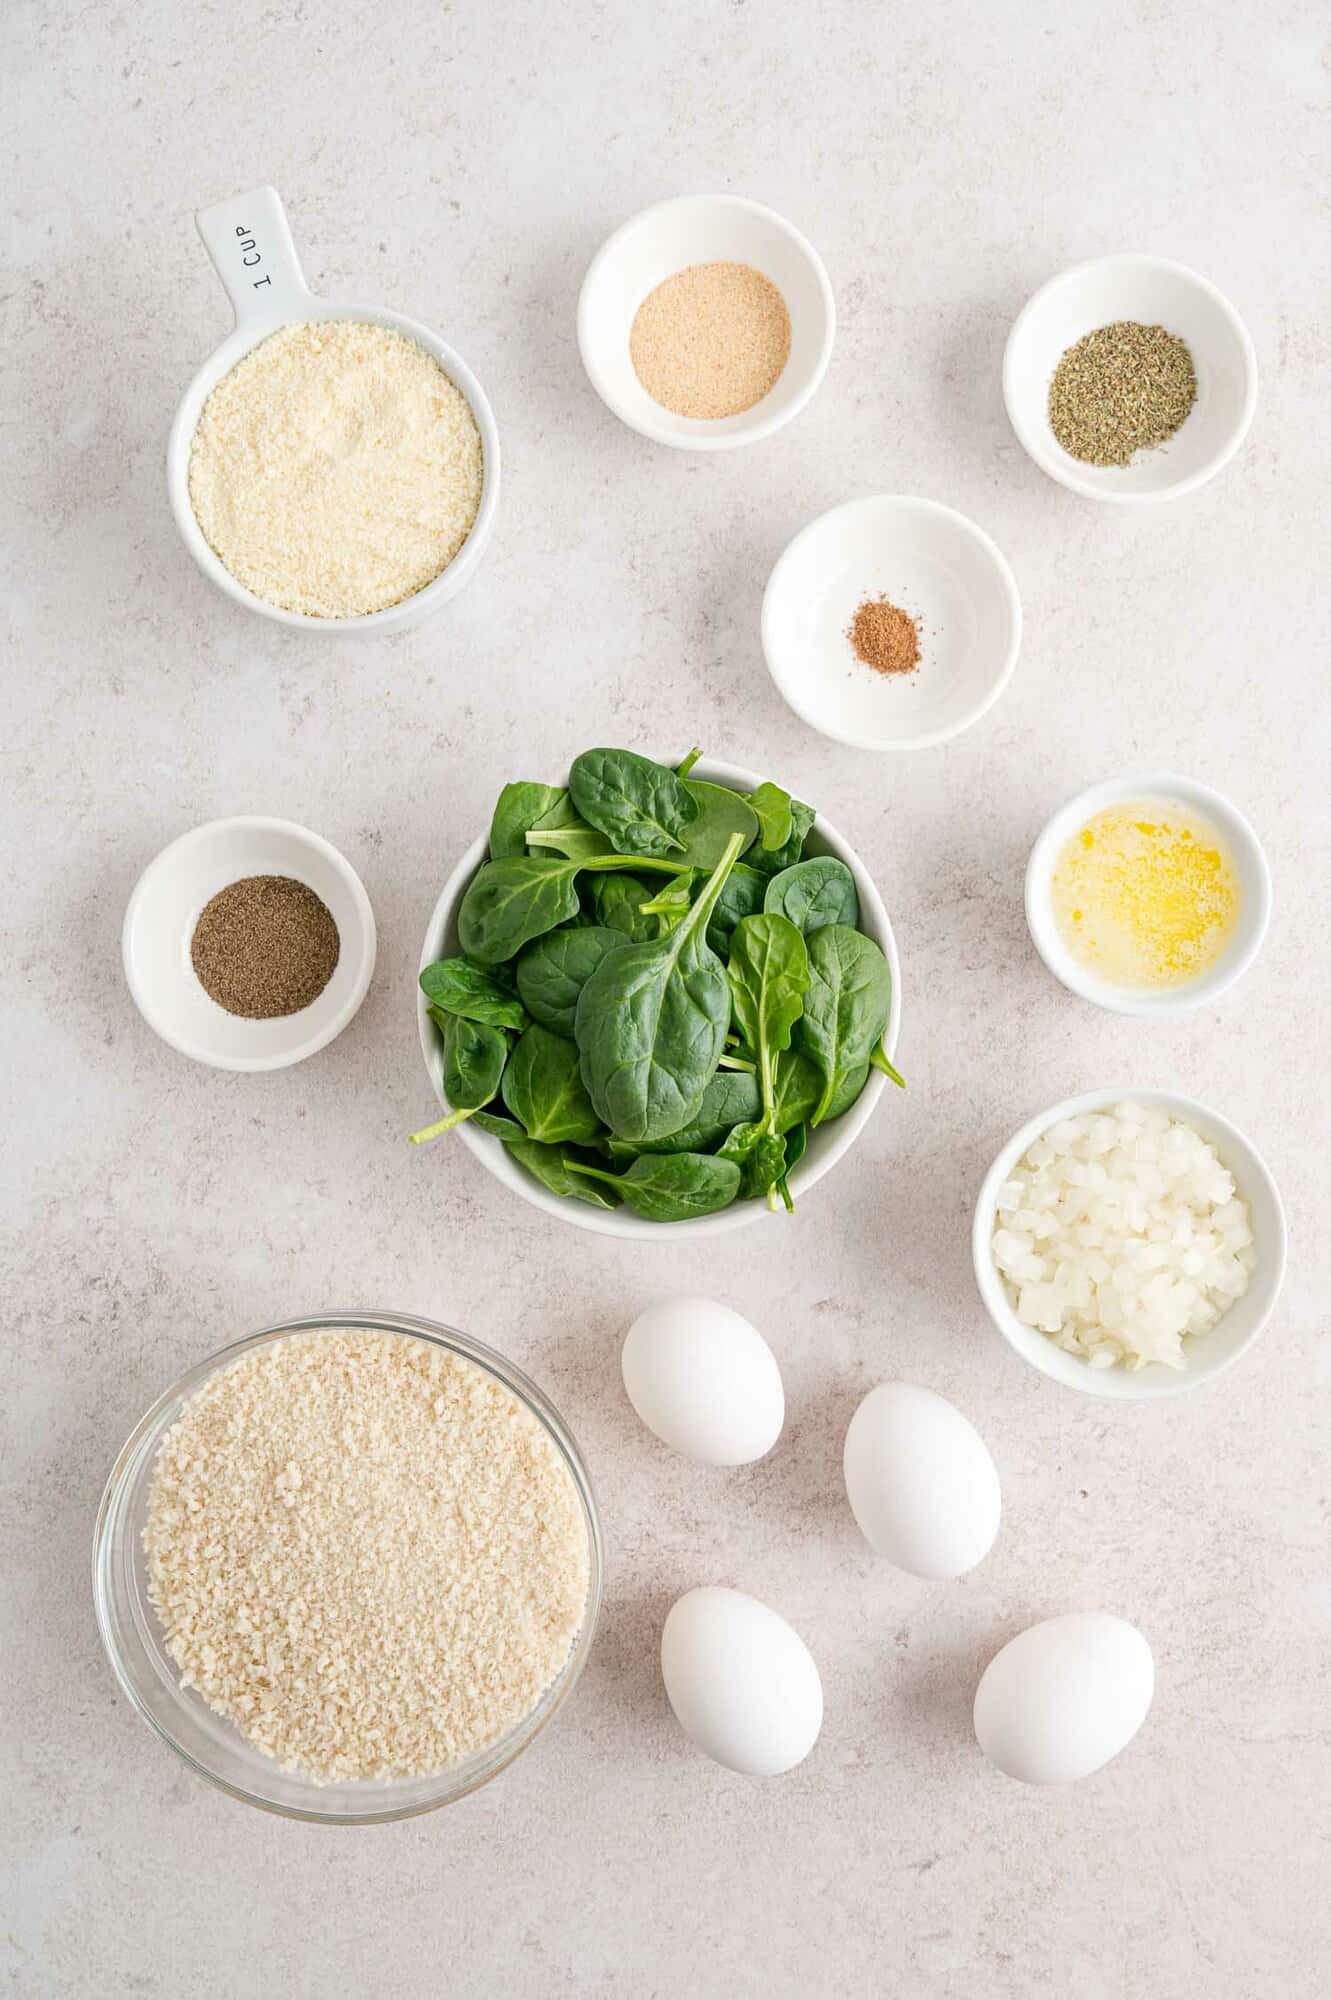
[366, 1552]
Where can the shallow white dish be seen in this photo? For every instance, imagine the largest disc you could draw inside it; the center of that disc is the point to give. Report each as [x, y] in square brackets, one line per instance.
[1208, 1354]
[249, 240]
[166, 904]
[940, 569]
[826, 1145]
[1249, 861]
[1155, 292]
[703, 229]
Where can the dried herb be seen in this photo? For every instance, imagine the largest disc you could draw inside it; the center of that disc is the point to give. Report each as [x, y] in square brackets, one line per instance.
[1122, 389]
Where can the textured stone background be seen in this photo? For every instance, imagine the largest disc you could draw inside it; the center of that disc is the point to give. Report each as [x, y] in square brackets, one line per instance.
[462, 164]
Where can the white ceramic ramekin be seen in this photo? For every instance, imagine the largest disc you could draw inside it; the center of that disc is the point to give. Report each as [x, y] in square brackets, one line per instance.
[249, 241]
[1209, 1353]
[166, 904]
[1254, 889]
[941, 569]
[1155, 292]
[828, 1144]
[703, 229]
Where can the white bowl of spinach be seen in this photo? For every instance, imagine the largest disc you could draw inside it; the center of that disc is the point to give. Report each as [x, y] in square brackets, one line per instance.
[656, 996]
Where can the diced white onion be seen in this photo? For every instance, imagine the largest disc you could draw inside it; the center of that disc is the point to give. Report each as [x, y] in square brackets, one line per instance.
[1120, 1235]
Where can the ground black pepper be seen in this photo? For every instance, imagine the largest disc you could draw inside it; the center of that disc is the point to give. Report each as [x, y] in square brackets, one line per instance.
[265, 946]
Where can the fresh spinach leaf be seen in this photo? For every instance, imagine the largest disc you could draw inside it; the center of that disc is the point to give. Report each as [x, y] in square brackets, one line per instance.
[474, 1058]
[652, 1021]
[772, 808]
[522, 806]
[881, 1060]
[544, 1091]
[553, 970]
[671, 904]
[683, 768]
[814, 893]
[721, 812]
[771, 860]
[641, 807]
[796, 1090]
[742, 896]
[769, 975]
[498, 1127]
[845, 1009]
[741, 1143]
[672, 1187]
[760, 1155]
[797, 1145]
[767, 1163]
[475, 992]
[553, 1167]
[617, 905]
[577, 843]
[847, 1090]
[730, 1099]
[510, 902]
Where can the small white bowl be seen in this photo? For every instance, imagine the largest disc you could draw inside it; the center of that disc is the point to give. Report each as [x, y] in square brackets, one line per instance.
[1249, 862]
[826, 1145]
[1207, 1354]
[166, 904]
[1154, 292]
[937, 566]
[703, 229]
[249, 240]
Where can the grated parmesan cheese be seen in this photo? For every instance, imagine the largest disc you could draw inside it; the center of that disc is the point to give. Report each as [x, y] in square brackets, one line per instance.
[366, 1552]
[336, 469]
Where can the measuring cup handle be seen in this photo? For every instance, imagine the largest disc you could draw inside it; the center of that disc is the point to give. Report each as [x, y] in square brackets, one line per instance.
[249, 241]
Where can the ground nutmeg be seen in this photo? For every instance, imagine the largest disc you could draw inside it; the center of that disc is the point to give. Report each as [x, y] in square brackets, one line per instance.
[885, 637]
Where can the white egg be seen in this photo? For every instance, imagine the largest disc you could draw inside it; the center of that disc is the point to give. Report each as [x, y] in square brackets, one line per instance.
[920, 1481]
[741, 1681]
[704, 1381]
[1064, 1697]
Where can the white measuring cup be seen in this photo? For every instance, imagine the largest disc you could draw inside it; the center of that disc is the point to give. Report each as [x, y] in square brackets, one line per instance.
[249, 240]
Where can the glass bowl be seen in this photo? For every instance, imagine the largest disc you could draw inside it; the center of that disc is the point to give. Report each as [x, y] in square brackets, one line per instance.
[209, 1743]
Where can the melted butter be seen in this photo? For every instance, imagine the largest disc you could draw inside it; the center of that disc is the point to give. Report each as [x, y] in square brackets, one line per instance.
[1146, 894]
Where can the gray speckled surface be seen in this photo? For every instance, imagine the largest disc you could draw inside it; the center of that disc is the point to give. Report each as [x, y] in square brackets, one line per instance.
[462, 165]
